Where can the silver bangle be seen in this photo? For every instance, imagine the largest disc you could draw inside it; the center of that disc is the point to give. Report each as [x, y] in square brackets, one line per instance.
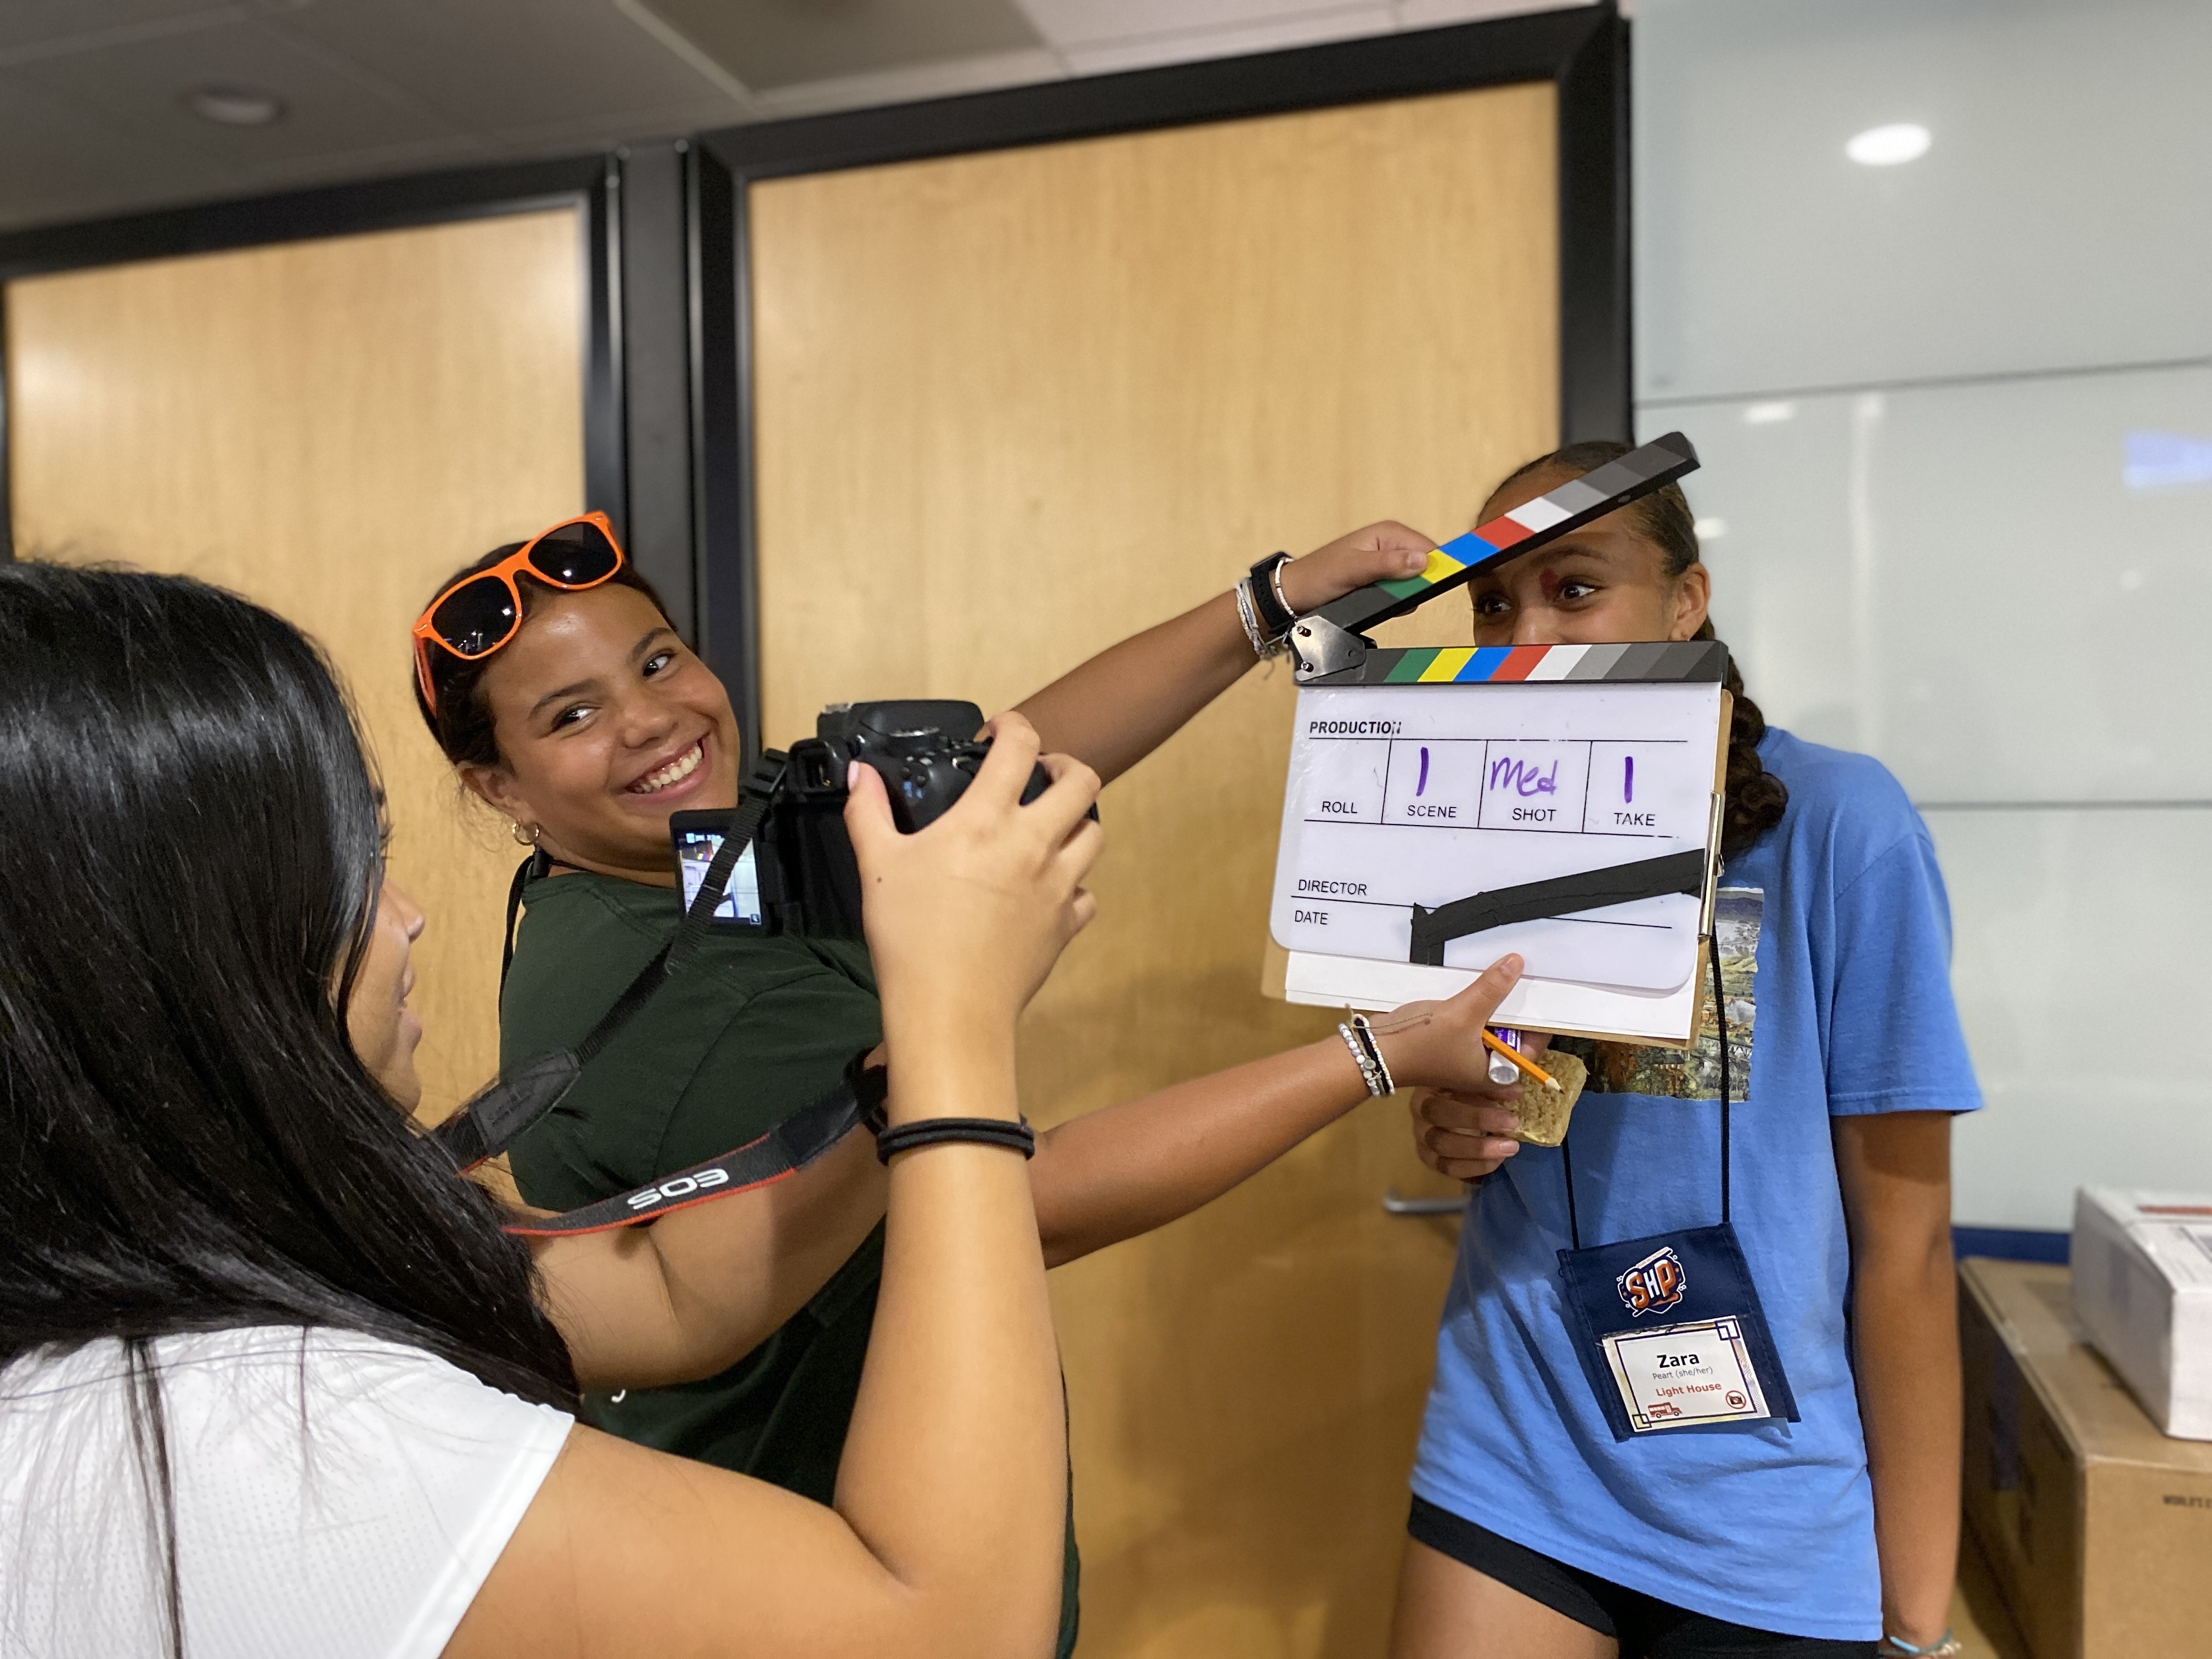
[1262, 647]
[1275, 581]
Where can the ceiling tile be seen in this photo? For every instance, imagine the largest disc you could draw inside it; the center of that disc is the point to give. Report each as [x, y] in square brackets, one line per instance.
[1433, 13]
[782, 43]
[60, 25]
[493, 65]
[57, 162]
[1083, 22]
[1340, 24]
[900, 86]
[139, 90]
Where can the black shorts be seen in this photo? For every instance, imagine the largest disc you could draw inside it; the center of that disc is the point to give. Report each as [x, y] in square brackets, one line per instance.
[1646, 1627]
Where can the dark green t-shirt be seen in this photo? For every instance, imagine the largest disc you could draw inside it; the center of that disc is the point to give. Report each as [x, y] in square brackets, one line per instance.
[757, 1029]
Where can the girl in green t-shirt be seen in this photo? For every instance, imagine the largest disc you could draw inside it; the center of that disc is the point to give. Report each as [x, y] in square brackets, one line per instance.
[581, 715]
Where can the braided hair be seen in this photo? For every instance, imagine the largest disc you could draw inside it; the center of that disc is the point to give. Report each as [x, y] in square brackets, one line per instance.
[1755, 797]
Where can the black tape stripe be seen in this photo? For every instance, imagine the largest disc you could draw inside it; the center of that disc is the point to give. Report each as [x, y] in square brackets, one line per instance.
[1561, 895]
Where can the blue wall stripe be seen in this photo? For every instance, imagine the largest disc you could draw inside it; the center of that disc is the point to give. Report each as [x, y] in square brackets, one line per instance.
[2012, 1243]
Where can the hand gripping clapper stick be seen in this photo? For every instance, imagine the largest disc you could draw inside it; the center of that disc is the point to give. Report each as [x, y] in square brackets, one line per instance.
[1400, 805]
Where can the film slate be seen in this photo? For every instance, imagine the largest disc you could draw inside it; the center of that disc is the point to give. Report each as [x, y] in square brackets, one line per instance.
[1448, 805]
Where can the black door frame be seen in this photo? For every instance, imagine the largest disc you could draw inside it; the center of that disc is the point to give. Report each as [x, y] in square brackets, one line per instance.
[591, 183]
[1583, 50]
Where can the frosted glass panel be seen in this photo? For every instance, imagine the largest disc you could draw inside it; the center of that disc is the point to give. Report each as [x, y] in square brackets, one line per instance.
[2056, 220]
[2004, 592]
[2075, 928]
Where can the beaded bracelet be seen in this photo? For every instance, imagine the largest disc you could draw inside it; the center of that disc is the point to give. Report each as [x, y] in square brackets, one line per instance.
[1367, 1054]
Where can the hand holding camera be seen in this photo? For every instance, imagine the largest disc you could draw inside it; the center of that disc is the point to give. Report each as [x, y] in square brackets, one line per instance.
[966, 916]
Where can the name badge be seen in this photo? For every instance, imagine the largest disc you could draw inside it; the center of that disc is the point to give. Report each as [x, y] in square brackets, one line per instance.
[1700, 1372]
[1672, 1333]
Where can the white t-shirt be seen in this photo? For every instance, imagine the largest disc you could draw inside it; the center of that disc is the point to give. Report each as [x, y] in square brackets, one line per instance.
[335, 1495]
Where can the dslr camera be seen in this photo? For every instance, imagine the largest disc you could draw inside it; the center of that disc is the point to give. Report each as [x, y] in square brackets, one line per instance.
[799, 875]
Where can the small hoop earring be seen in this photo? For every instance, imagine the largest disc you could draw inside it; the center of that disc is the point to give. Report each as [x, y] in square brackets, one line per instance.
[526, 837]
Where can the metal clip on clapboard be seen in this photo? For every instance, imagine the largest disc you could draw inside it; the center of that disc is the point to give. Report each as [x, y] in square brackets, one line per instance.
[1331, 649]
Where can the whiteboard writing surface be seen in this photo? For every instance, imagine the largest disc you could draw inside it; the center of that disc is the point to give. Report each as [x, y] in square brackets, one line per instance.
[1416, 794]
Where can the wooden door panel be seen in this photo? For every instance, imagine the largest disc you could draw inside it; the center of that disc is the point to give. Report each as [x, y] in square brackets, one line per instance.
[329, 428]
[1013, 406]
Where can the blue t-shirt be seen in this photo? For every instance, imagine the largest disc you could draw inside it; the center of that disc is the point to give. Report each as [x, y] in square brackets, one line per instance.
[1835, 944]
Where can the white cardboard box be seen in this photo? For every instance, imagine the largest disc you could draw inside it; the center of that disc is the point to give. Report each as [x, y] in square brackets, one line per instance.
[2143, 1292]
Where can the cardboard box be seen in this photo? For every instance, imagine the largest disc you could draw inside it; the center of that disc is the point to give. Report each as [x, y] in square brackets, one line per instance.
[2097, 1526]
[2142, 1291]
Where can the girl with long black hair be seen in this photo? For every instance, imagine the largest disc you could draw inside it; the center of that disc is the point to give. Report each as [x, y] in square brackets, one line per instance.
[273, 1381]
[1536, 1531]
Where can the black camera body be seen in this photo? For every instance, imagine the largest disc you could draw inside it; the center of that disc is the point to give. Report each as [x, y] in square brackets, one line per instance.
[803, 873]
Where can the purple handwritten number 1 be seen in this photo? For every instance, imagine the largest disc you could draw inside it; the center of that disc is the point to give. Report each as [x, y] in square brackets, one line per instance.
[1628, 779]
[1424, 783]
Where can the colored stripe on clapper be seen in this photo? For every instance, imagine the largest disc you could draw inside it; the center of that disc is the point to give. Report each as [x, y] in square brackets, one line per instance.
[1506, 664]
[1668, 456]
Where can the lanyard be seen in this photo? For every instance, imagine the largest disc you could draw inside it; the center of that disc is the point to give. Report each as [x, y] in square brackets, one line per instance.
[1720, 1013]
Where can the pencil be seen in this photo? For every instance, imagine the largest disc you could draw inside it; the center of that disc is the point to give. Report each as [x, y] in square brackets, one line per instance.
[1521, 1059]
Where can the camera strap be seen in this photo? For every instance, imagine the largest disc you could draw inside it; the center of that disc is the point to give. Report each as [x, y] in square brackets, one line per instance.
[497, 1115]
[782, 1152]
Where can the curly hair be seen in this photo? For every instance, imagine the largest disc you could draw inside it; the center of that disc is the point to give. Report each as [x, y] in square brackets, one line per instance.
[1756, 797]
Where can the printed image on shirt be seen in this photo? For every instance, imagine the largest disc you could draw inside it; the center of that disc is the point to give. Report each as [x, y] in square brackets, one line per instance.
[1695, 1073]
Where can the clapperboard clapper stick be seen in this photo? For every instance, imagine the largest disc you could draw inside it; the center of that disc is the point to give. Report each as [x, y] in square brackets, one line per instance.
[1327, 642]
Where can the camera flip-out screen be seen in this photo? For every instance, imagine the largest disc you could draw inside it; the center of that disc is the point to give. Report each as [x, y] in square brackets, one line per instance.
[696, 843]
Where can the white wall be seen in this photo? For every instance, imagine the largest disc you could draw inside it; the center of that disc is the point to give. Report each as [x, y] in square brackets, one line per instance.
[1956, 416]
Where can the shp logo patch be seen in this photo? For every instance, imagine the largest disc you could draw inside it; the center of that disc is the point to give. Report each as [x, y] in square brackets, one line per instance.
[1655, 1283]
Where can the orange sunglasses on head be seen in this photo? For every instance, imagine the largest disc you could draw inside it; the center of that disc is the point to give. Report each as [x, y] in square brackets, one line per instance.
[482, 612]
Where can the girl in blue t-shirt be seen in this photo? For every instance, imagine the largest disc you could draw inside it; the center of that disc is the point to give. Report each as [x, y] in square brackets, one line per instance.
[1535, 1532]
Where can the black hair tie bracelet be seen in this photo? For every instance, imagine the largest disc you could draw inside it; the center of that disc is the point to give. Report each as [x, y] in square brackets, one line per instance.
[940, 1131]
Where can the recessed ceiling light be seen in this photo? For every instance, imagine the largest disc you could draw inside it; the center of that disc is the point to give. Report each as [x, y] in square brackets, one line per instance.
[1711, 529]
[1886, 147]
[235, 106]
[1768, 413]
